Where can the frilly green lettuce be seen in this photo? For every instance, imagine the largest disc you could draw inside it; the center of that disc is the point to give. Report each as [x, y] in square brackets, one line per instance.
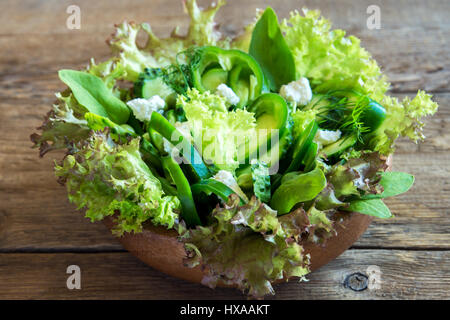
[63, 124]
[218, 128]
[402, 119]
[329, 59]
[161, 52]
[110, 179]
[109, 71]
[321, 226]
[301, 120]
[248, 246]
[357, 175]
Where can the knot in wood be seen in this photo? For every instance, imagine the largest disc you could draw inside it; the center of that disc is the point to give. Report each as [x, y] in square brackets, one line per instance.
[356, 281]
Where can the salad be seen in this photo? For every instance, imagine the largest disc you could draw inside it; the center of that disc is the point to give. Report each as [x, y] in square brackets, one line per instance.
[248, 147]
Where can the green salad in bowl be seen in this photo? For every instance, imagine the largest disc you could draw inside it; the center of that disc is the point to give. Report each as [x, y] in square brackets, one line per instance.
[247, 147]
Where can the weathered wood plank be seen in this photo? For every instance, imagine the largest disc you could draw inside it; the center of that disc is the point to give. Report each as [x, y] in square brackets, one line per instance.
[404, 275]
[412, 48]
[411, 45]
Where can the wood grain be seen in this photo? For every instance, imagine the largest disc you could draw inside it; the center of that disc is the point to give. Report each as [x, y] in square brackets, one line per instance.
[36, 219]
[411, 45]
[405, 275]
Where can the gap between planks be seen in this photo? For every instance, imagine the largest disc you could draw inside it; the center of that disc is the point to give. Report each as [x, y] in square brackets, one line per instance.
[122, 250]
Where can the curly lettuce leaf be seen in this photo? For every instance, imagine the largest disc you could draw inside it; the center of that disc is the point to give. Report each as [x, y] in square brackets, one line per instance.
[261, 180]
[402, 119]
[65, 123]
[328, 58]
[217, 131]
[359, 175]
[110, 179]
[301, 120]
[109, 71]
[246, 246]
[161, 52]
[331, 61]
[321, 228]
[327, 199]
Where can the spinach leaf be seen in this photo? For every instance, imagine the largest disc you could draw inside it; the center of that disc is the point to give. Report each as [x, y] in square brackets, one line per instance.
[394, 183]
[270, 49]
[92, 93]
[371, 207]
[297, 187]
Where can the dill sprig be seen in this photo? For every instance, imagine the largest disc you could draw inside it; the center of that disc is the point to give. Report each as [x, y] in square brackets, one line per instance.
[342, 110]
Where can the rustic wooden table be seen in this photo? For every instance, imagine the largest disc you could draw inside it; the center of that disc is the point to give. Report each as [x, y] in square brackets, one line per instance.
[41, 234]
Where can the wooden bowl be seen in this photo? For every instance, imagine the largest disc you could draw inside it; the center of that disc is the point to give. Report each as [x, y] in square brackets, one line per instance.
[160, 249]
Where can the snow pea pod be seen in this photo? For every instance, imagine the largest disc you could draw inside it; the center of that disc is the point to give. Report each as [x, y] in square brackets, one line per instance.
[210, 186]
[184, 193]
[302, 144]
[195, 167]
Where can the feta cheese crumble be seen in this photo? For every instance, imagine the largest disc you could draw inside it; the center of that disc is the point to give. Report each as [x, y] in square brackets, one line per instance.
[298, 92]
[225, 91]
[143, 108]
[326, 137]
[227, 179]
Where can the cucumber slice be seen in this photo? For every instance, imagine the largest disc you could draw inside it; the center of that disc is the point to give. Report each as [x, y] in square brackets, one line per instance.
[212, 78]
[339, 146]
[317, 102]
[148, 86]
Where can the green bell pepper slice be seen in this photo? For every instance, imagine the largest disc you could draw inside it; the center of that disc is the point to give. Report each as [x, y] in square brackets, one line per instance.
[234, 68]
[188, 210]
[271, 113]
